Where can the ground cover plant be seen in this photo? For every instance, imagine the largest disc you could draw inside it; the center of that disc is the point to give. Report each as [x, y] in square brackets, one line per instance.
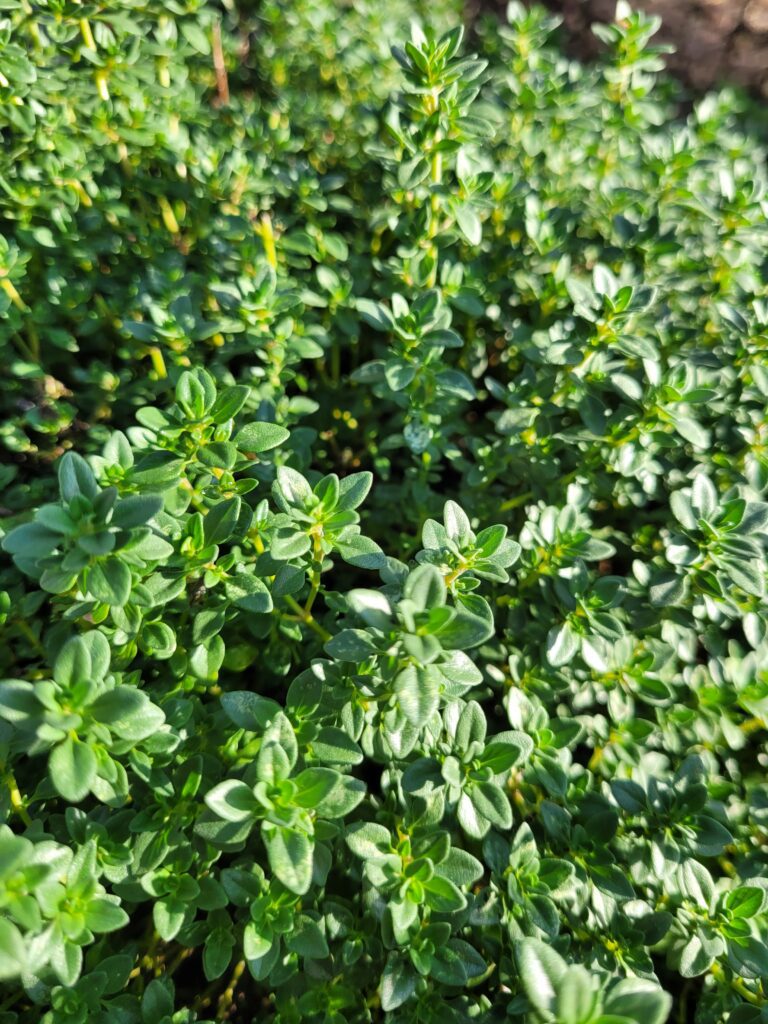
[383, 511]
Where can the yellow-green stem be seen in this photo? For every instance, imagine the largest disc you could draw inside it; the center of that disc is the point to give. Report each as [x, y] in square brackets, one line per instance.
[158, 362]
[307, 619]
[10, 290]
[516, 502]
[17, 801]
[268, 238]
[226, 997]
[87, 34]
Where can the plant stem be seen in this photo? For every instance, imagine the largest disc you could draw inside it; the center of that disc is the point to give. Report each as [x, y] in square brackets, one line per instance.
[219, 66]
[225, 999]
[317, 553]
[180, 957]
[10, 290]
[17, 801]
[158, 362]
[268, 238]
[168, 216]
[516, 502]
[308, 619]
[24, 629]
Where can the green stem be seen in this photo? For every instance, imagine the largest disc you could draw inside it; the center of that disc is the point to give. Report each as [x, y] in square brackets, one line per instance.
[336, 361]
[17, 801]
[516, 502]
[312, 594]
[34, 341]
[434, 210]
[226, 997]
[87, 34]
[25, 629]
[317, 553]
[178, 960]
[23, 348]
[308, 619]
[268, 238]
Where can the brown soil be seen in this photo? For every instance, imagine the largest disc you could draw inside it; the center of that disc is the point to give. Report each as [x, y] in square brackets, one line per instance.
[715, 40]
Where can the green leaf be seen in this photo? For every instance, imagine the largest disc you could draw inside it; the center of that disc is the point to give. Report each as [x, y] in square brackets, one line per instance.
[351, 645]
[157, 471]
[704, 497]
[372, 606]
[472, 625]
[307, 939]
[398, 983]
[500, 757]
[369, 841]
[232, 800]
[399, 374]
[746, 901]
[639, 1000]
[249, 710]
[81, 659]
[471, 820]
[541, 972]
[491, 803]
[578, 996]
[460, 867]
[13, 954]
[749, 957]
[206, 659]
[18, 702]
[279, 751]
[710, 837]
[128, 713]
[698, 884]
[375, 314]
[361, 552]
[157, 1001]
[292, 489]
[313, 785]
[221, 520]
[169, 916]
[249, 593]
[66, 959]
[104, 914]
[196, 37]
[136, 510]
[257, 940]
[261, 437]
[217, 953]
[31, 540]
[290, 856]
[470, 728]
[425, 587]
[443, 896]
[417, 691]
[563, 644]
[288, 543]
[353, 490]
[695, 959]
[469, 223]
[229, 403]
[334, 746]
[72, 765]
[76, 478]
[457, 525]
[109, 581]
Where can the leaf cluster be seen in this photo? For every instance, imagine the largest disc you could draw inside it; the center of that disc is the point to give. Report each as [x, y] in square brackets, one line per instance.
[384, 522]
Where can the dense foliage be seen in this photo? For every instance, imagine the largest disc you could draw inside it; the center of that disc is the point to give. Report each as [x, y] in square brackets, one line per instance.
[384, 619]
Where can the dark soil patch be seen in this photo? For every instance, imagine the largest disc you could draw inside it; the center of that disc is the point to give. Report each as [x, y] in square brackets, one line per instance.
[715, 40]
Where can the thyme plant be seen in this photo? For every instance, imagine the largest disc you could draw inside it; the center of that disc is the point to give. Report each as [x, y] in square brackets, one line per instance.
[385, 456]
